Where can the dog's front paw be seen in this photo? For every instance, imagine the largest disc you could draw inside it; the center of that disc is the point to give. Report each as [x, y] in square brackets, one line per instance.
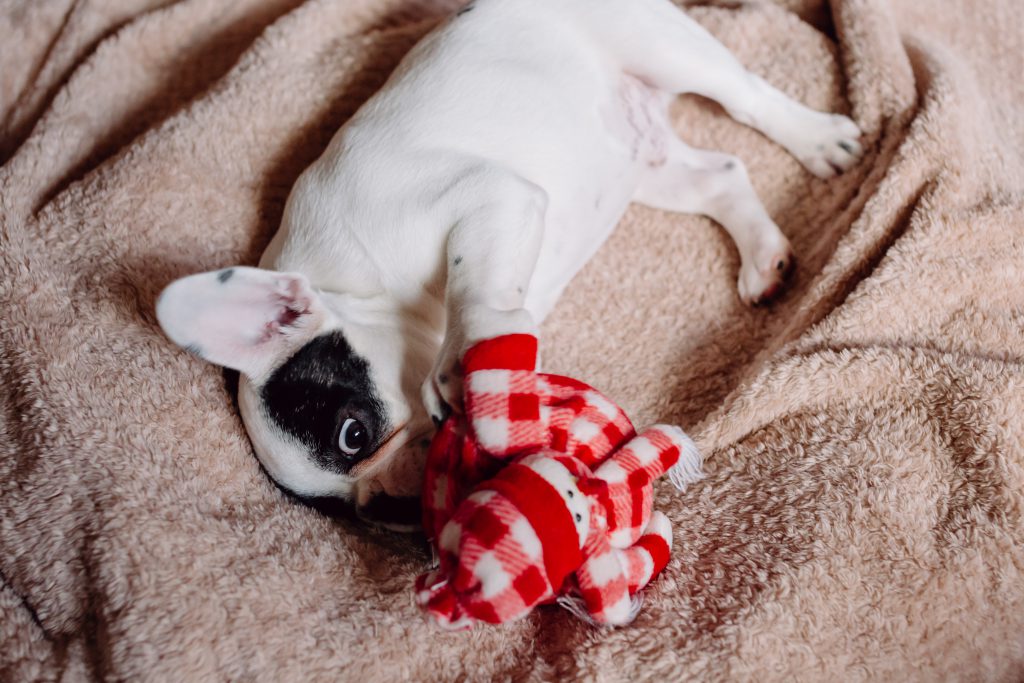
[442, 391]
[828, 144]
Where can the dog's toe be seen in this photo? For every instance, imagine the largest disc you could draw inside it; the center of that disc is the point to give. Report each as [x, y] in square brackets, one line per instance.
[830, 145]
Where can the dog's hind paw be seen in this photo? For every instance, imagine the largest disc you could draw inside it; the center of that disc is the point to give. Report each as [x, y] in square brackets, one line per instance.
[829, 145]
[761, 280]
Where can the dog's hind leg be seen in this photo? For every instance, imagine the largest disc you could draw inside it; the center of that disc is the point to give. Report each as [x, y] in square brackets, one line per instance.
[716, 185]
[655, 41]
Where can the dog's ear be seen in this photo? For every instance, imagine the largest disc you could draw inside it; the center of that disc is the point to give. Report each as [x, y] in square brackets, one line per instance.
[246, 319]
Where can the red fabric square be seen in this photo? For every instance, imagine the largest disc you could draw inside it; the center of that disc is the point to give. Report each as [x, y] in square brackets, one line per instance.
[484, 611]
[658, 549]
[575, 404]
[559, 439]
[614, 435]
[638, 479]
[668, 457]
[523, 407]
[487, 527]
[530, 585]
[593, 598]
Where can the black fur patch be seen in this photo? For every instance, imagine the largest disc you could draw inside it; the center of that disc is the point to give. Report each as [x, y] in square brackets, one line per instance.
[315, 390]
[225, 275]
[393, 510]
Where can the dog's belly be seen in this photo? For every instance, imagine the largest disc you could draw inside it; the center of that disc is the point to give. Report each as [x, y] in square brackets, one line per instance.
[581, 215]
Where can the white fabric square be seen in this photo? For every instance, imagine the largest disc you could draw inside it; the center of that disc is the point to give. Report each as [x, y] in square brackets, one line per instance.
[584, 430]
[489, 382]
[644, 451]
[450, 536]
[481, 497]
[492, 433]
[621, 538]
[612, 472]
[493, 577]
[604, 569]
[603, 405]
[525, 536]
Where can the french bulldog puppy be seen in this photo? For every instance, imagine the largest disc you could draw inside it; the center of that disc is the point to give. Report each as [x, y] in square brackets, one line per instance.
[456, 205]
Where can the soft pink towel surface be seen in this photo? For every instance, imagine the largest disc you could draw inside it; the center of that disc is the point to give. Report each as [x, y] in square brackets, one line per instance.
[862, 517]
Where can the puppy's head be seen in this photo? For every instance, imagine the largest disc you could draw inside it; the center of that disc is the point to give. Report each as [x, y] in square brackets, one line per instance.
[327, 400]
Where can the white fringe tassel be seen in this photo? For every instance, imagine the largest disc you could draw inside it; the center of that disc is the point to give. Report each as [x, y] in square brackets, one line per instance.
[687, 469]
[575, 606]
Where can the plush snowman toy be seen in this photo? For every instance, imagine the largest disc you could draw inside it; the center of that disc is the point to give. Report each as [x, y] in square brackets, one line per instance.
[543, 491]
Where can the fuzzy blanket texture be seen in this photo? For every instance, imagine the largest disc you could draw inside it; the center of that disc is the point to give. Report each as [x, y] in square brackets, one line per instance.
[862, 517]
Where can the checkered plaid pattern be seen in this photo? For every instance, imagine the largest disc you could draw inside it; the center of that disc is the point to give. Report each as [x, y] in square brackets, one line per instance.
[511, 410]
[510, 543]
[509, 547]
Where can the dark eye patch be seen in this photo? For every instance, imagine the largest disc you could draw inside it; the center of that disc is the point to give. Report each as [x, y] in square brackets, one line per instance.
[315, 390]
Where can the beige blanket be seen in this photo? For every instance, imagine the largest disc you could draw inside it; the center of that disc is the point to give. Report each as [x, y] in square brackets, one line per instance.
[862, 517]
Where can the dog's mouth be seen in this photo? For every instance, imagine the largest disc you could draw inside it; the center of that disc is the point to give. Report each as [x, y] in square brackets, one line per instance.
[388, 490]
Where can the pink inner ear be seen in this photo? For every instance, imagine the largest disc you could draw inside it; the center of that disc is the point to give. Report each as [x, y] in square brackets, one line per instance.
[246, 320]
[288, 316]
[290, 300]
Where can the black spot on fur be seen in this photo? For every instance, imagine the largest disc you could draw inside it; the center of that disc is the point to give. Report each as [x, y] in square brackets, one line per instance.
[458, 260]
[195, 350]
[315, 390]
[729, 165]
[225, 275]
[847, 147]
[467, 8]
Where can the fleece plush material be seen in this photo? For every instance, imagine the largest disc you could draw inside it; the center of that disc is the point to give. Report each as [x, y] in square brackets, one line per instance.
[861, 517]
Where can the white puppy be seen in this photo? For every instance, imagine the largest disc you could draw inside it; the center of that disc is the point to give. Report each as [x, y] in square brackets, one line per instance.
[456, 205]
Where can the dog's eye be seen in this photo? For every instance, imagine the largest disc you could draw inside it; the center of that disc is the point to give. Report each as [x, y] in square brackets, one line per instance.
[353, 437]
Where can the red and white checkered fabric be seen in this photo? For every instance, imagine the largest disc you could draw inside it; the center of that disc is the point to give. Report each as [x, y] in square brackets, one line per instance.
[511, 410]
[505, 534]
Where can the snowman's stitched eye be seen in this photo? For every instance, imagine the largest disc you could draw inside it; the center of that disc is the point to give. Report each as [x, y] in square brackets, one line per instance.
[570, 493]
[579, 517]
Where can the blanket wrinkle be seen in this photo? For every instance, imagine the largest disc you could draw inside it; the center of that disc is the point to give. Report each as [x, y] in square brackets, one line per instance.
[863, 513]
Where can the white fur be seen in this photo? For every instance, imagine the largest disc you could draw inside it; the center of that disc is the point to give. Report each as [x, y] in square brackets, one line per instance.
[461, 199]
